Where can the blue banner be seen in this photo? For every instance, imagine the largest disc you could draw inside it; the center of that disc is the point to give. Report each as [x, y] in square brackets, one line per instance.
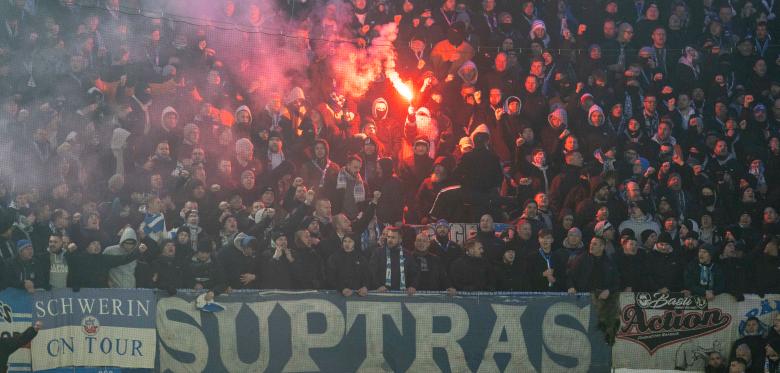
[316, 331]
[95, 328]
[15, 317]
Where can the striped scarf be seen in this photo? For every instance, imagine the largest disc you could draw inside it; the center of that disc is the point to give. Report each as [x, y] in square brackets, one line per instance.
[358, 191]
[389, 269]
[154, 226]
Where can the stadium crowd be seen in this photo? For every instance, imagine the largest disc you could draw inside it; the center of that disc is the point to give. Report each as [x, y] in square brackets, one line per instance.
[629, 145]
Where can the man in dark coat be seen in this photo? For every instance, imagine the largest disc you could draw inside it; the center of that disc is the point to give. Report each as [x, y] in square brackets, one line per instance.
[567, 180]
[472, 272]
[308, 268]
[594, 273]
[9, 345]
[24, 272]
[442, 246]
[237, 262]
[629, 262]
[766, 269]
[509, 276]
[429, 271]
[545, 268]
[703, 277]
[168, 273]
[89, 268]
[203, 272]
[663, 270]
[390, 265]
[480, 175]
[347, 269]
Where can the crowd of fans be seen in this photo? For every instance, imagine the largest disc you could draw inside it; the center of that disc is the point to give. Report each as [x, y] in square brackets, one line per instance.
[628, 146]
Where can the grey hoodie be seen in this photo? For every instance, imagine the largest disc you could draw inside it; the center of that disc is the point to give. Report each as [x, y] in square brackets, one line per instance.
[122, 276]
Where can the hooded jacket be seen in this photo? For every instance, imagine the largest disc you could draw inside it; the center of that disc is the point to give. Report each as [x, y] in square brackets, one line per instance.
[244, 129]
[550, 136]
[122, 276]
[597, 135]
[468, 73]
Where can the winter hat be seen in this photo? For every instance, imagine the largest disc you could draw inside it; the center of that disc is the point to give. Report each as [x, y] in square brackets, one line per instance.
[275, 234]
[422, 140]
[585, 97]
[602, 227]
[243, 240]
[537, 24]
[645, 235]
[21, 244]
[575, 230]
[664, 238]
[296, 93]
[441, 223]
[466, 142]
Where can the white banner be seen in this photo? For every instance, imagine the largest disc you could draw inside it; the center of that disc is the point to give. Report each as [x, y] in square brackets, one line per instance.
[673, 332]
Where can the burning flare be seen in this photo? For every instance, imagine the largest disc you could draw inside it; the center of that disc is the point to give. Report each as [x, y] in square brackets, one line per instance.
[403, 89]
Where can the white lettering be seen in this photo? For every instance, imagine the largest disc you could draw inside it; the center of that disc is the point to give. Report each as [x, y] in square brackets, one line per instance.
[116, 304]
[40, 311]
[67, 305]
[228, 342]
[508, 321]
[373, 312]
[50, 309]
[181, 336]
[565, 341]
[86, 305]
[103, 302]
[302, 340]
[140, 308]
[427, 339]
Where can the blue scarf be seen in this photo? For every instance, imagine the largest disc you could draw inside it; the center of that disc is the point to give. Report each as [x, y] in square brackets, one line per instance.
[389, 268]
[547, 258]
[705, 275]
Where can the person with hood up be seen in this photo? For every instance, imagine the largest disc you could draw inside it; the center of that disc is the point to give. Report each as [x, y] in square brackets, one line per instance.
[244, 126]
[553, 134]
[88, 268]
[451, 53]
[432, 185]
[389, 129]
[539, 32]
[167, 131]
[319, 171]
[275, 118]
[468, 73]
[510, 122]
[123, 276]
[597, 135]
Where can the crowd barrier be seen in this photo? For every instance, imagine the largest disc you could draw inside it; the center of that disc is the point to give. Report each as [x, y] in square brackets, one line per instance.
[138, 330]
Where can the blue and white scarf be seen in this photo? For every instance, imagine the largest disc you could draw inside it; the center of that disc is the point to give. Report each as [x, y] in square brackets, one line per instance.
[389, 269]
[705, 275]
